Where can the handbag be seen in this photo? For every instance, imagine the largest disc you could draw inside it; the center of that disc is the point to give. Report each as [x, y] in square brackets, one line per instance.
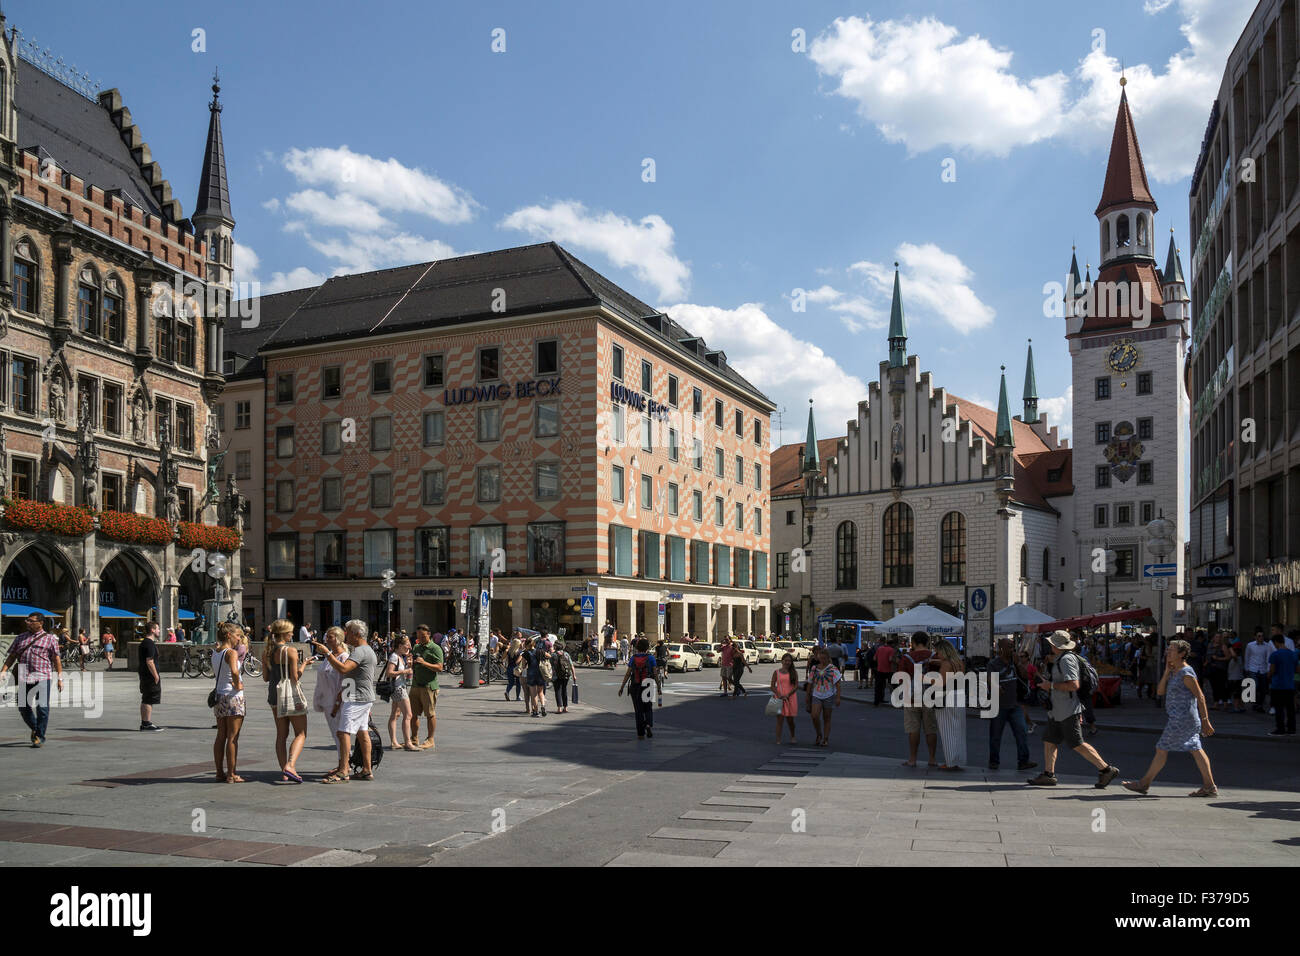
[773, 708]
[544, 668]
[520, 667]
[290, 700]
[212, 694]
[575, 691]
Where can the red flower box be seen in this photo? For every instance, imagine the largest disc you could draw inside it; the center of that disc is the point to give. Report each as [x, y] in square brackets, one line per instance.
[208, 537]
[48, 517]
[134, 528]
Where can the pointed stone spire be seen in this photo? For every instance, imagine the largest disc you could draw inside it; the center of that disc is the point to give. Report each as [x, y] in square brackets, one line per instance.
[1173, 268]
[1074, 279]
[1126, 176]
[811, 460]
[1004, 437]
[1031, 389]
[897, 327]
[214, 190]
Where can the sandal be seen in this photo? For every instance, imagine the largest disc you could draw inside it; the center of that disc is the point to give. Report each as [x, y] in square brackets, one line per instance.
[1205, 792]
[365, 775]
[335, 777]
[221, 778]
[1137, 787]
[235, 778]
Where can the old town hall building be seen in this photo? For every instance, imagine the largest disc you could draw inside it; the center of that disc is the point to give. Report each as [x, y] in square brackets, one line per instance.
[928, 493]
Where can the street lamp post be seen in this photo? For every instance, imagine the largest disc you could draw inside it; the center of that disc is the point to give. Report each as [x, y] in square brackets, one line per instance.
[1161, 543]
[715, 603]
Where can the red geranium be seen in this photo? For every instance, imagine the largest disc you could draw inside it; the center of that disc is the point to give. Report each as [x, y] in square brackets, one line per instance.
[134, 528]
[46, 516]
[208, 537]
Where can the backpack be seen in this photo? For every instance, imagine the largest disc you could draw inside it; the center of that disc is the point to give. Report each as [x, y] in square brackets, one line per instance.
[376, 751]
[563, 667]
[640, 665]
[1088, 680]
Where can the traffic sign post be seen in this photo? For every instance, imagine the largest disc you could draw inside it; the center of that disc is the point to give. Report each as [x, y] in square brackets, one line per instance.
[979, 621]
[588, 608]
[1159, 570]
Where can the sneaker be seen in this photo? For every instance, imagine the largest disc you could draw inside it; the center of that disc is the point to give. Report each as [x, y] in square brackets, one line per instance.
[1027, 765]
[1044, 779]
[1105, 777]
[154, 728]
[38, 742]
[427, 745]
[649, 732]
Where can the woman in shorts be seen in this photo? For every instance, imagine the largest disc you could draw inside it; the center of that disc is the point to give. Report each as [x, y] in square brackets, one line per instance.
[230, 707]
[398, 670]
[824, 683]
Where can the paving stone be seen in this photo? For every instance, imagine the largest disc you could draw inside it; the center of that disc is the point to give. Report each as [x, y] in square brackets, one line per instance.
[643, 858]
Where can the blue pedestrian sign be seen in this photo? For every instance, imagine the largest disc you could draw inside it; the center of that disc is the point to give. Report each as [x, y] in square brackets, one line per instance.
[589, 605]
[484, 602]
[978, 599]
[1159, 570]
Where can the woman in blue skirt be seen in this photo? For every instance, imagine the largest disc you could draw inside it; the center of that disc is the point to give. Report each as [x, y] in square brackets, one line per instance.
[1188, 719]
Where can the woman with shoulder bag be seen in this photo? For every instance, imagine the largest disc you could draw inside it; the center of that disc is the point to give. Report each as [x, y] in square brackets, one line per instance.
[282, 669]
[512, 668]
[563, 664]
[227, 703]
[397, 671]
[785, 693]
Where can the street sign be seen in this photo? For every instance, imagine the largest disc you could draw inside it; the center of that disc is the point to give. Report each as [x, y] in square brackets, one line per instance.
[979, 600]
[1159, 570]
[979, 621]
[485, 602]
[588, 606]
[1206, 581]
[464, 600]
[1160, 584]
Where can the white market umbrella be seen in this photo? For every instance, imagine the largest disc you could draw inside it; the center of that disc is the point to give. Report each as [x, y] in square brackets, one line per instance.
[923, 617]
[1015, 618]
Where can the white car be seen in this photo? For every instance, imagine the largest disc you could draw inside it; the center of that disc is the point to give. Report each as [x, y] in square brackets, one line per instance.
[682, 657]
[767, 652]
[751, 652]
[797, 651]
[710, 654]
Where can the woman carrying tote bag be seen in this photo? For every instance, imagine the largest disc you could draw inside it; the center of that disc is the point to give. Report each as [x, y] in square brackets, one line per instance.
[282, 670]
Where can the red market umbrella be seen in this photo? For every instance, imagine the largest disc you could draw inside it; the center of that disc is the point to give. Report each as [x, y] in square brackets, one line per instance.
[1062, 625]
[1114, 617]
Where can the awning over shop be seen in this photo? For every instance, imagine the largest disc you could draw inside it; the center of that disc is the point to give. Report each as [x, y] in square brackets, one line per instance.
[185, 615]
[22, 610]
[1091, 620]
[116, 613]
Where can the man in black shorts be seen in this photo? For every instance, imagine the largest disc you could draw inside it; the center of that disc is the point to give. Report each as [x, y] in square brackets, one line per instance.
[1065, 713]
[150, 682]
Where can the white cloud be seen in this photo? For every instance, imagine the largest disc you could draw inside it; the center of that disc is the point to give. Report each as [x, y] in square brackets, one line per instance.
[384, 183]
[787, 369]
[1060, 412]
[855, 312]
[365, 252]
[343, 211]
[923, 85]
[245, 263]
[645, 246]
[932, 282]
[299, 278]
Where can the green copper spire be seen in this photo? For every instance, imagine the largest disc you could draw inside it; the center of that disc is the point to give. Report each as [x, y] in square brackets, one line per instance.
[1004, 436]
[1031, 388]
[1173, 268]
[897, 328]
[811, 461]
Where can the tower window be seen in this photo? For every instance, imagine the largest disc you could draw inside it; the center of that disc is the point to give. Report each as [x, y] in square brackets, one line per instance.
[1103, 476]
[1122, 232]
[1144, 383]
[1103, 432]
[1103, 388]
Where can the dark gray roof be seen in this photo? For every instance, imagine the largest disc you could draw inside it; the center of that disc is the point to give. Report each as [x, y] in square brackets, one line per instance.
[214, 190]
[243, 344]
[432, 295]
[78, 134]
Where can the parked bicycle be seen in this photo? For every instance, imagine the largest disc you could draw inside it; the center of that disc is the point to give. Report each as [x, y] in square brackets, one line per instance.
[252, 666]
[195, 662]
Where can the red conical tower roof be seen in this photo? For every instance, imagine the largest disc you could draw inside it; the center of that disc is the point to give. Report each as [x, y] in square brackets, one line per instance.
[1126, 177]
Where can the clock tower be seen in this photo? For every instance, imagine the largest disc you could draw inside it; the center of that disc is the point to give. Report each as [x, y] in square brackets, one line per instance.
[1128, 340]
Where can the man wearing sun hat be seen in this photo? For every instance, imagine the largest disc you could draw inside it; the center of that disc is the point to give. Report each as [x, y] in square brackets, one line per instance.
[1065, 713]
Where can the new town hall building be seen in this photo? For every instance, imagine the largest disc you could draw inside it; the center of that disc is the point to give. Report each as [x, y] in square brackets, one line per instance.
[928, 492]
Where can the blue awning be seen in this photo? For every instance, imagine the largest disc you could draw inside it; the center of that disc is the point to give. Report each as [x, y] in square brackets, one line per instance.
[185, 615]
[117, 613]
[22, 610]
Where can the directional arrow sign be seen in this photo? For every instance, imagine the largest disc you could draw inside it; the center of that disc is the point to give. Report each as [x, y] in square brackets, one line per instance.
[1159, 570]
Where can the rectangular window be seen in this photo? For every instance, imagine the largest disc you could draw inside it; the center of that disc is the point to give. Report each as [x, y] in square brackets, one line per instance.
[617, 364]
[699, 562]
[1146, 473]
[789, 517]
[243, 465]
[1099, 517]
[489, 364]
[243, 415]
[434, 428]
[697, 505]
[722, 565]
[649, 548]
[717, 412]
[697, 402]
[330, 558]
[165, 336]
[112, 492]
[432, 552]
[284, 496]
[220, 411]
[719, 515]
[617, 492]
[331, 494]
[114, 324]
[647, 492]
[378, 546]
[758, 431]
[740, 423]
[331, 438]
[672, 444]
[758, 521]
[281, 555]
[740, 516]
[381, 433]
[1148, 512]
[433, 371]
[284, 441]
[546, 547]
[1103, 476]
[185, 344]
[1103, 432]
[435, 486]
[548, 357]
[489, 423]
[1123, 514]
[24, 288]
[620, 550]
[331, 381]
[1144, 383]
[647, 435]
[548, 480]
[740, 470]
[548, 419]
[647, 377]
[283, 388]
[162, 418]
[1146, 429]
[23, 478]
[185, 427]
[782, 570]
[620, 429]
[676, 558]
[1102, 386]
[87, 310]
[697, 455]
[483, 540]
[111, 411]
[742, 568]
[488, 482]
[672, 498]
[381, 376]
[718, 467]
[381, 490]
[758, 476]
[672, 390]
[760, 570]
[1125, 567]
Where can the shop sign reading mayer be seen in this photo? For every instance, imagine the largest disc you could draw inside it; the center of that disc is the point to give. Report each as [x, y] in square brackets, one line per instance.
[494, 393]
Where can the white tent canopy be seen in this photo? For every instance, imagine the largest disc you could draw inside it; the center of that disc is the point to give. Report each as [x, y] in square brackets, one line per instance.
[923, 617]
[1015, 618]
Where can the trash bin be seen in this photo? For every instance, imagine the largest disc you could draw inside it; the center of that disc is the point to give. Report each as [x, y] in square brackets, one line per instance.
[470, 671]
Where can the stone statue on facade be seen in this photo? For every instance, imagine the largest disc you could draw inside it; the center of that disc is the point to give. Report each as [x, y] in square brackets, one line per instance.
[211, 433]
[173, 505]
[139, 418]
[58, 402]
[90, 491]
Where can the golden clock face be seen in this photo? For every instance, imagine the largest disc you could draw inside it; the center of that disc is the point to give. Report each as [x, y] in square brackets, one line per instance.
[1123, 357]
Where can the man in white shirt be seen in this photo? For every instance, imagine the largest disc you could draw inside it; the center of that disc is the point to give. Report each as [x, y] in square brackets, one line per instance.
[1256, 666]
[304, 634]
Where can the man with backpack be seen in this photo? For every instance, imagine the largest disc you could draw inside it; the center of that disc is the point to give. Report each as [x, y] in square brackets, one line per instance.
[917, 715]
[641, 675]
[1069, 679]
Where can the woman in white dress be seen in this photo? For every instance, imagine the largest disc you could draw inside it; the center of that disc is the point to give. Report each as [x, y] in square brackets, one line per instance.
[952, 715]
[325, 698]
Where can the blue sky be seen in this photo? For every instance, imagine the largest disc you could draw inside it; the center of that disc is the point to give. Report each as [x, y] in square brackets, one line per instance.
[363, 136]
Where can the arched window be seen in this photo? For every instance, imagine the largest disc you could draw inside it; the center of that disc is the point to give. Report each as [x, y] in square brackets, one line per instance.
[1047, 564]
[165, 327]
[1142, 229]
[113, 324]
[27, 277]
[88, 302]
[1105, 236]
[4, 99]
[898, 566]
[1024, 562]
[1122, 231]
[952, 545]
[846, 556]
